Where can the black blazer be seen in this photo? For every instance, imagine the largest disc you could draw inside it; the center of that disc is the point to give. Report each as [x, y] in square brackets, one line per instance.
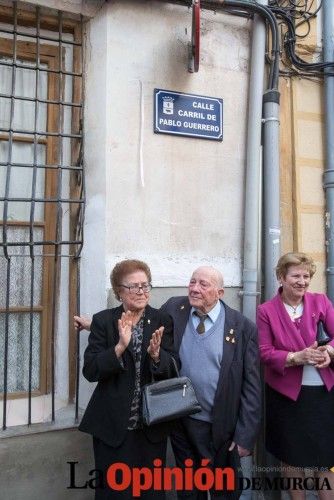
[108, 411]
[237, 403]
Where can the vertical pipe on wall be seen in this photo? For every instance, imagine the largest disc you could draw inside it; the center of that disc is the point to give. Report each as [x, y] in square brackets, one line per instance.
[253, 167]
[328, 55]
[271, 186]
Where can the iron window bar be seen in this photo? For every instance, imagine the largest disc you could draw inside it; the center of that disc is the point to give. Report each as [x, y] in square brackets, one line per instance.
[39, 243]
[31, 220]
[46, 70]
[29, 165]
[40, 37]
[76, 171]
[66, 255]
[43, 133]
[5, 215]
[42, 200]
[42, 101]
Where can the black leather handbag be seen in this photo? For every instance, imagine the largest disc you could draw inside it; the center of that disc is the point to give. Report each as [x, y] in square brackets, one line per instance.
[322, 336]
[169, 399]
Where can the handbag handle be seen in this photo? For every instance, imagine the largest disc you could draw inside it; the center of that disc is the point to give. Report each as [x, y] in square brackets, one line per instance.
[322, 336]
[175, 367]
[177, 373]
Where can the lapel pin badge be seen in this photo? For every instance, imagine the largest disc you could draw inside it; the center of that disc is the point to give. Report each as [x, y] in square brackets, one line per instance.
[230, 337]
[149, 321]
[182, 307]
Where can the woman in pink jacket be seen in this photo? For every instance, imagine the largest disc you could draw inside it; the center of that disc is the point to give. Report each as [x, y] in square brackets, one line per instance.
[299, 375]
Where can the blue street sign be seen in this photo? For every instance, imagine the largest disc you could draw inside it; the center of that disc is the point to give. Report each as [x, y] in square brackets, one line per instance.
[188, 114]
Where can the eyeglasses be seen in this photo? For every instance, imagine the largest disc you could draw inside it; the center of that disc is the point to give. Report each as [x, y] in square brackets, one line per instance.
[136, 288]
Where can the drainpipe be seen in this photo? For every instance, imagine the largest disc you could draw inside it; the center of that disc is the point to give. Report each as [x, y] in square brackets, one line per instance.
[271, 187]
[253, 169]
[328, 54]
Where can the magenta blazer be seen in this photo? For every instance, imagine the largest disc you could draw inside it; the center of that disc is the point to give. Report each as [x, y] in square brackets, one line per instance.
[278, 336]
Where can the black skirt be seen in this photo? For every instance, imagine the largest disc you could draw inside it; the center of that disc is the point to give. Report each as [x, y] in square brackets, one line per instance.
[301, 433]
[135, 451]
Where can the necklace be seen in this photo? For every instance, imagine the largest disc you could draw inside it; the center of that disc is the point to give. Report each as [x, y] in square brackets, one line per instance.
[294, 310]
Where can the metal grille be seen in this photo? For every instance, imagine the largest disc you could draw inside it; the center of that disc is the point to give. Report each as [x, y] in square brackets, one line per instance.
[41, 198]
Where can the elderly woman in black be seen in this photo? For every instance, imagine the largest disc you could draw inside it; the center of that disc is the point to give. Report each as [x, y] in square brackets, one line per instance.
[127, 345]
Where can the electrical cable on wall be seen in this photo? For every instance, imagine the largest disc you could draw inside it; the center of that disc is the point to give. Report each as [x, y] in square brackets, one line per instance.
[295, 14]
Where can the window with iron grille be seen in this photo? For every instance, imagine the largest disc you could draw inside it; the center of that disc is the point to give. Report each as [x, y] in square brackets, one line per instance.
[41, 209]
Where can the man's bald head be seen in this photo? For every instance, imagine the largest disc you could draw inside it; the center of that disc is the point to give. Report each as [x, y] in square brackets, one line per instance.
[213, 272]
[206, 287]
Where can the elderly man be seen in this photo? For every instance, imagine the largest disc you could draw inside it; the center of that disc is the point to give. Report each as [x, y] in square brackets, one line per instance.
[218, 350]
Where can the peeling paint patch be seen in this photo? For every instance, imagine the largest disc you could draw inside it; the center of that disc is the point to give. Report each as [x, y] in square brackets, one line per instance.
[176, 270]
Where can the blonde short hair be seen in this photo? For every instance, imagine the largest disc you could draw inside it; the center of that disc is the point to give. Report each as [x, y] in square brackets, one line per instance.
[294, 259]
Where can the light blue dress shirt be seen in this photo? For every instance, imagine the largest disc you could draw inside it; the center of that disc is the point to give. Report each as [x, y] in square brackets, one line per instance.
[211, 316]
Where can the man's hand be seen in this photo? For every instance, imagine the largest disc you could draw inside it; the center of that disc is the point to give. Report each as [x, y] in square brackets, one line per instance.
[243, 452]
[155, 342]
[82, 323]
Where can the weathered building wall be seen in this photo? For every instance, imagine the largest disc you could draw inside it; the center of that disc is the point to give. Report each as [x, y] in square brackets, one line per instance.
[190, 208]
[303, 162]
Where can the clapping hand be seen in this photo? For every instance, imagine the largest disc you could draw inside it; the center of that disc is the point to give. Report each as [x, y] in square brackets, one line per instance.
[125, 331]
[155, 342]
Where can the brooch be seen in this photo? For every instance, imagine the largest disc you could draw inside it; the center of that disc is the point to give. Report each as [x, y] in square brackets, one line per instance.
[230, 337]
